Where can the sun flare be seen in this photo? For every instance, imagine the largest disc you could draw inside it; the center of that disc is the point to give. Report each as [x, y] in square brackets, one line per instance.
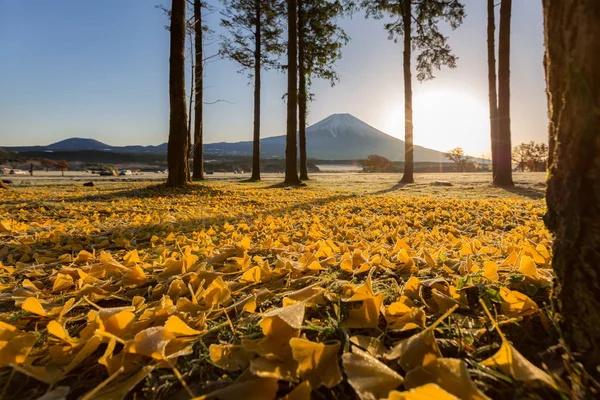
[444, 120]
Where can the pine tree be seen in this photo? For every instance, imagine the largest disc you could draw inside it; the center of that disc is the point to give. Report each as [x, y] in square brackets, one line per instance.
[254, 42]
[417, 23]
[320, 40]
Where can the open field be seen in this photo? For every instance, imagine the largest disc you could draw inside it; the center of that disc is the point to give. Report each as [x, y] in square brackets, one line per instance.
[350, 286]
[464, 185]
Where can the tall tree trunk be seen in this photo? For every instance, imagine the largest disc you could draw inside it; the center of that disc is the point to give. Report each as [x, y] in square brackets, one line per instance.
[572, 61]
[177, 153]
[302, 92]
[191, 100]
[493, 95]
[291, 148]
[199, 102]
[257, 65]
[408, 177]
[503, 173]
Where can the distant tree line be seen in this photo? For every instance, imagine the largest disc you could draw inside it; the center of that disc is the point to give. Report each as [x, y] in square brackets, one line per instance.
[531, 156]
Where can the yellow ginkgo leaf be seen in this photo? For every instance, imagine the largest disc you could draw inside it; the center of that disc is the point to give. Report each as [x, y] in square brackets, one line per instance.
[150, 342]
[62, 282]
[490, 271]
[370, 344]
[250, 305]
[411, 288]
[33, 305]
[367, 315]
[419, 349]
[252, 275]
[15, 350]
[317, 362]
[244, 244]
[516, 304]
[118, 322]
[229, 357]
[58, 330]
[426, 392]
[132, 257]
[369, 377]
[448, 373]
[83, 256]
[179, 328]
[512, 363]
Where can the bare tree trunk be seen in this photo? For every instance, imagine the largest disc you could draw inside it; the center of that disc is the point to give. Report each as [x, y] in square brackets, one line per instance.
[491, 53]
[408, 177]
[257, 65]
[291, 149]
[572, 64]
[199, 102]
[302, 92]
[191, 100]
[503, 173]
[177, 156]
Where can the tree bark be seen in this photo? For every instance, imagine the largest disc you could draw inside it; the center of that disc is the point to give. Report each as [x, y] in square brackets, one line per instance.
[177, 153]
[199, 100]
[408, 177]
[493, 95]
[191, 100]
[291, 149]
[572, 62]
[302, 93]
[257, 58]
[503, 173]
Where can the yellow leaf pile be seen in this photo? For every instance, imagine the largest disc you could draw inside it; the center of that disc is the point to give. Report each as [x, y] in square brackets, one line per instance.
[231, 291]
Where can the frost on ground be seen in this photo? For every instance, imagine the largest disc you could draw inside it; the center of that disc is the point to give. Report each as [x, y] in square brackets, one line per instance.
[241, 291]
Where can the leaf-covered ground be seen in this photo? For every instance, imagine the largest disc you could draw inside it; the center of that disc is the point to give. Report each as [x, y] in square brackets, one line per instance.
[237, 291]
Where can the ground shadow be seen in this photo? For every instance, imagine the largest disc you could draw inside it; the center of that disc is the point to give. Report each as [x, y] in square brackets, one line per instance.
[397, 186]
[525, 191]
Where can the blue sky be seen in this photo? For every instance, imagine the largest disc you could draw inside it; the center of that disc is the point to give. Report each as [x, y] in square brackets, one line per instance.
[99, 69]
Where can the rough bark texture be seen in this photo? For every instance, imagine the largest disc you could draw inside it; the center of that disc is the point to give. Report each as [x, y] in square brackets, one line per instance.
[503, 172]
[177, 153]
[408, 176]
[291, 148]
[572, 36]
[199, 100]
[491, 53]
[257, 57]
[302, 94]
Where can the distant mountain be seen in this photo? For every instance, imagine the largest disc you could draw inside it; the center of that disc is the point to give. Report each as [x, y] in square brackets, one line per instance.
[81, 144]
[337, 137]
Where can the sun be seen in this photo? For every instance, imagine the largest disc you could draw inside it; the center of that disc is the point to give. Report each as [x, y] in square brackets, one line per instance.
[445, 119]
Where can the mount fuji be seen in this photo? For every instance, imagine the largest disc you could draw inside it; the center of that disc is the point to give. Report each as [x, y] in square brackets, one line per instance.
[337, 137]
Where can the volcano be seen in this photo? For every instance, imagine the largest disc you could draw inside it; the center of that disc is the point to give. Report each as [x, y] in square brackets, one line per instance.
[337, 137]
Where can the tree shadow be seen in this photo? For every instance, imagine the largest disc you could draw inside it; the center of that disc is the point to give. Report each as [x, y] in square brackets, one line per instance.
[525, 191]
[148, 192]
[283, 185]
[397, 186]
